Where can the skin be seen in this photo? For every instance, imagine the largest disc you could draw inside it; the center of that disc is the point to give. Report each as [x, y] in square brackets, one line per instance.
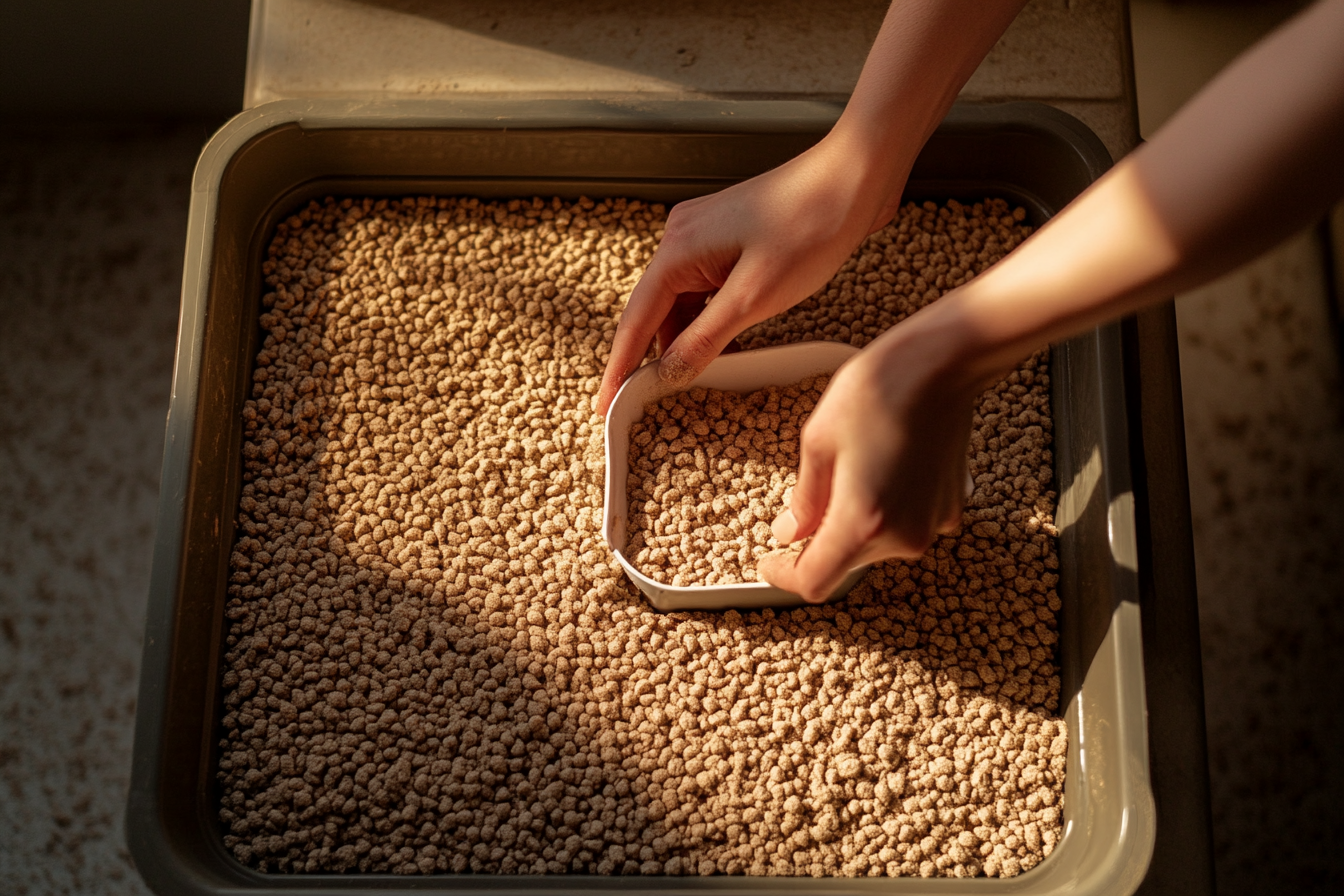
[1254, 157]
[766, 244]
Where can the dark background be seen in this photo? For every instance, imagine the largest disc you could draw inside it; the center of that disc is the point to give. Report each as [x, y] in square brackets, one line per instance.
[120, 59]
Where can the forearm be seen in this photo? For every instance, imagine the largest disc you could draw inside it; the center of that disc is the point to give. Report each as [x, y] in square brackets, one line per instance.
[1253, 158]
[924, 53]
[769, 242]
[884, 452]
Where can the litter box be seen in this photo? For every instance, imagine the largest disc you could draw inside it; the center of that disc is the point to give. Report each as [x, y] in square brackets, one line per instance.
[272, 159]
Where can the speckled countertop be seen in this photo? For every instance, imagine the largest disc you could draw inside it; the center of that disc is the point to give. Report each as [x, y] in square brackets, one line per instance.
[91, 227]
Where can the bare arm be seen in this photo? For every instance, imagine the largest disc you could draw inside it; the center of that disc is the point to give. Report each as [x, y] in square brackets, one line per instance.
[770, 242]
[1257, 155]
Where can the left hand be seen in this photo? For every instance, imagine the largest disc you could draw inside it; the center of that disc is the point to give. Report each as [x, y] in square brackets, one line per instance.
[759, 247]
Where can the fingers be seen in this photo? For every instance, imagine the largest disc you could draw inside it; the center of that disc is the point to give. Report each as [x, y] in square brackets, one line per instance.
[685, 308]
[734, 308]
[634, 332]
[852, 530]
[808, 502]
[816, 571]
[650, 303]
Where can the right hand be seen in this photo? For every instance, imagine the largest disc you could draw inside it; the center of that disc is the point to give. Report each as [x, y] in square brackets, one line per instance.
[759, 247]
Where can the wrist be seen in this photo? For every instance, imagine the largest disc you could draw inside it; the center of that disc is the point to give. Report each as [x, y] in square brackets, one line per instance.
[875, 169]
[942, 347]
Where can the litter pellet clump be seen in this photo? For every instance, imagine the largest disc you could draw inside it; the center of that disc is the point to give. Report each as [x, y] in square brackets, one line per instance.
[709, 470]
[434, 665]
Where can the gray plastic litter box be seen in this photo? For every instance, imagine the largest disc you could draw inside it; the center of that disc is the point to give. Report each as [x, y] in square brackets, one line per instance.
[270, 160]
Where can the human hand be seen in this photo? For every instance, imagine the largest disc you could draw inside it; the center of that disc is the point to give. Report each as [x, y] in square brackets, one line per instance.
[883, 466]
[758, 247]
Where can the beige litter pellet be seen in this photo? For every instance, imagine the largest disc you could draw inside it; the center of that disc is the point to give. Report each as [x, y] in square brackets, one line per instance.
[709, 470]
[433, 664]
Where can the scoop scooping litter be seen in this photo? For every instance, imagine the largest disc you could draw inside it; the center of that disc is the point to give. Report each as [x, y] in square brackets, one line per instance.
[740, 372]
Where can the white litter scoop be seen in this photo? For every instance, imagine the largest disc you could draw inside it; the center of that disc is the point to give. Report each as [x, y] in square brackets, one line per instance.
[741, 372]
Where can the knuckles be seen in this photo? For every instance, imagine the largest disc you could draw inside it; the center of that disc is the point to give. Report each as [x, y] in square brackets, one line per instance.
[813, 438]
[895, 533]
[681, 228]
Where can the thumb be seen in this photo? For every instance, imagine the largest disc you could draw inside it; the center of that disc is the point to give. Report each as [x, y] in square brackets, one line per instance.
[807, 504]
[687, 307]
[728, 312]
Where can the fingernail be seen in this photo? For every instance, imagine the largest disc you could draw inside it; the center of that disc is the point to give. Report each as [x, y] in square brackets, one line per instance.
[674, 371]
[785, 527]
